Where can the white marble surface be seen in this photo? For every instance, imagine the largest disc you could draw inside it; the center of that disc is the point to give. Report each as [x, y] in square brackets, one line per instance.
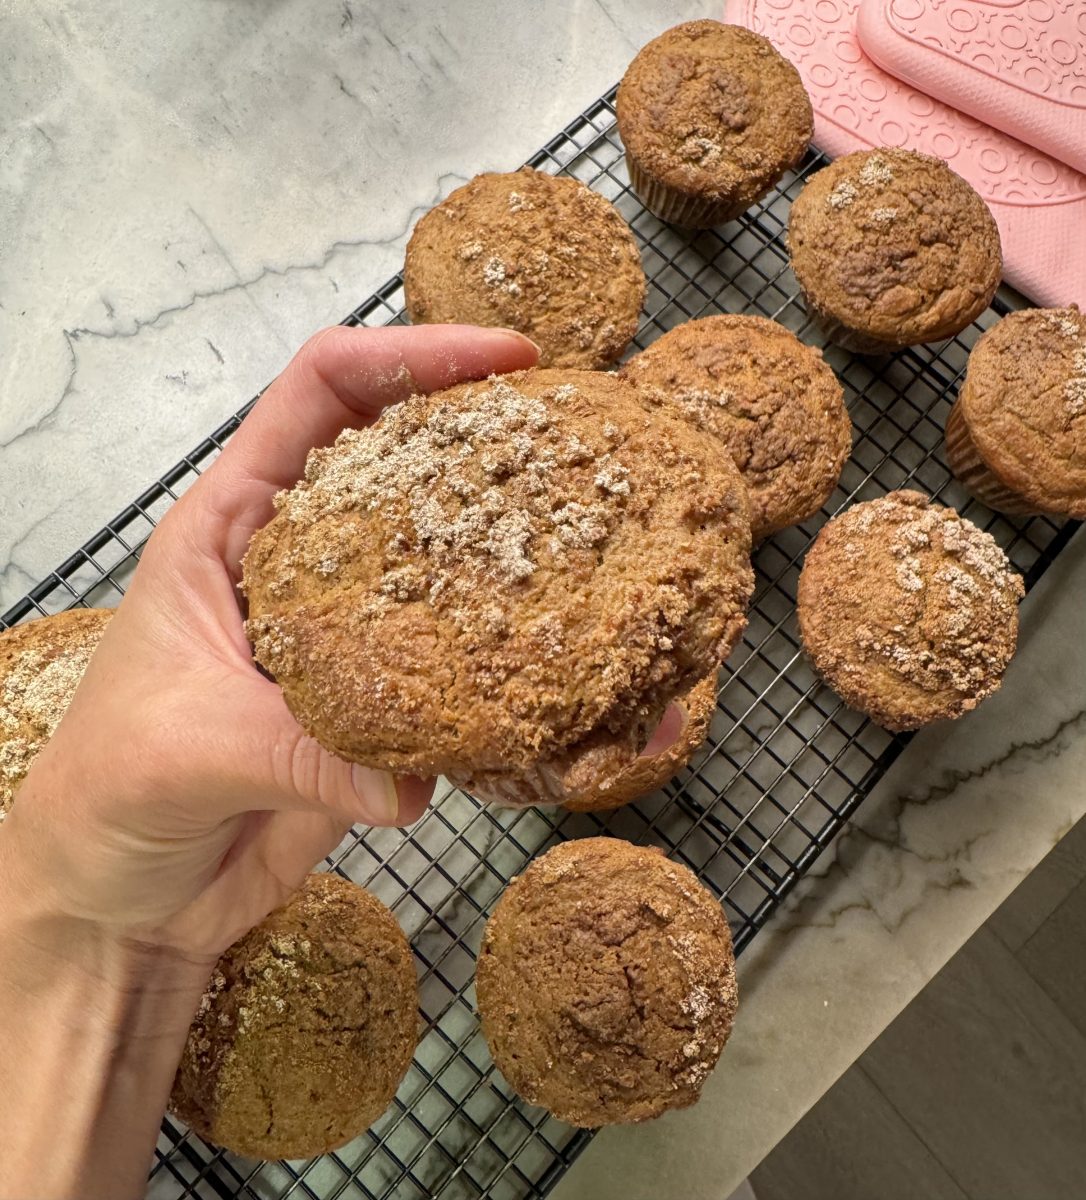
[187, 191]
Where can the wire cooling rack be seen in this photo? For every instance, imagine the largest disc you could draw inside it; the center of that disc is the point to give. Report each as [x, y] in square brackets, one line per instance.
[785, 766]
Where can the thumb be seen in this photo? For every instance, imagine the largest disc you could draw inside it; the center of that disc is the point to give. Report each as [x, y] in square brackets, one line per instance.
[268, 762]
[672, 726]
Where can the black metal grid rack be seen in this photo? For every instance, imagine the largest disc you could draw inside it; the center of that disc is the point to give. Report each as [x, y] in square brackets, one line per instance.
[785, 766]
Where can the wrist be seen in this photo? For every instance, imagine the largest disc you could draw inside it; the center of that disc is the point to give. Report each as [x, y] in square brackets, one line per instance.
[98, 1023]
[90, 974]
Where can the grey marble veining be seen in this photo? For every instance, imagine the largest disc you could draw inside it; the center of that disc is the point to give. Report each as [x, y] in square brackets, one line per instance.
[188, 191]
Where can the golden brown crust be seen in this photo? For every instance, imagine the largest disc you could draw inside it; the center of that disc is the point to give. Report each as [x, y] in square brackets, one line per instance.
[489, 574]
[546, 256]
[892, 248]
[604, 770]
[771, 400]
[1024, 408]
[714, 113]
[41, 664]
[606, 983]
[308, 1025]
[907, 610]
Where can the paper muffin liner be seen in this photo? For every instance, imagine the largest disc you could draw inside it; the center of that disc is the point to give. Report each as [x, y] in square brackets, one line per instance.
[675, 207]
[533, 786]
[969, 468]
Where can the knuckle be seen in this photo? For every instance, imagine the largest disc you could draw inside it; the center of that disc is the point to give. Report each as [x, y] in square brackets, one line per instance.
[297, 766]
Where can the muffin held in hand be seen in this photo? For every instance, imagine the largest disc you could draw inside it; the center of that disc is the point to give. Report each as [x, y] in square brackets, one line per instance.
[548, 257]
[770, 400]
[606, 983]
[306, 1029]
[605, 770]
[489, 575]
[711, 116]
[1016, 436]
[41, 664]
[908, 611]
[891, 249]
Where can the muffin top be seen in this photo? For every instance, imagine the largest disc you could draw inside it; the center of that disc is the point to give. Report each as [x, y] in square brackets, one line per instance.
[713, 110]
[909, 611]
[606, 769]
[41, 664]
[606, 983]
[306, 1029]
[771, 400]
[1024, 400]
[895, 244]
[548, 257]
[488, 574]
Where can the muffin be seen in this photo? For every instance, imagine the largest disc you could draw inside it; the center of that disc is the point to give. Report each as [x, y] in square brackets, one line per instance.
[1016, 436]
[711, 117]
[306, 1029]
[892, 249]
[908, 611]
[770, 400]
[490, 574]
[606, 983]
[41, 664]
[604, 770]
[545, 256]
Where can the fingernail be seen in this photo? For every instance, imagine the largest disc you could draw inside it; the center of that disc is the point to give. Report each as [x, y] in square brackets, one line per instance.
[521, 338]
[377, 792]
[415, 794]
[667, 733]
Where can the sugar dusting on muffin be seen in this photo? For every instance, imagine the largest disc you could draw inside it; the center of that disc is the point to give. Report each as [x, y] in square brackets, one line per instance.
[711, 116]
[1014, 434]
[606, 983]
[400, 460]
[41, 665]
[908, 610]
[891, 248]
[875, 172]
[977, 571]
[306, 1028]
[772, 401]
[485, 575]
[530, 251]
[1066, 322]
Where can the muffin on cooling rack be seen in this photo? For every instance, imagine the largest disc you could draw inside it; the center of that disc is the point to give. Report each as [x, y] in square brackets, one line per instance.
[892, 248]
[770, 400]
[711, 116]
[908, 611]
[546, 256]
[490, 575]
[306, 1029]
[606, 770]
[41, 664]
[606, 983]
[1016, 436]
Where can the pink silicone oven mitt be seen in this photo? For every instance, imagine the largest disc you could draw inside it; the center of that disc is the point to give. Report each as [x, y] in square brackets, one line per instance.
[1038, 202]
[1019, 65]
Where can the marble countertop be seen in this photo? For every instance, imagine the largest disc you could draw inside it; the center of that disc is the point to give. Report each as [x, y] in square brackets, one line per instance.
[188, 191]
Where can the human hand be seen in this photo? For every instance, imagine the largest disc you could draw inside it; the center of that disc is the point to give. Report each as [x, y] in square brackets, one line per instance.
[179, 801]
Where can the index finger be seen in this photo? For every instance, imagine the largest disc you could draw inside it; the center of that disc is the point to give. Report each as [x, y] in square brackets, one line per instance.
[341, 377]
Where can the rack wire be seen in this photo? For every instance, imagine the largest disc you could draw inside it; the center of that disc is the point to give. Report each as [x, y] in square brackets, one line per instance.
[784, 767]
